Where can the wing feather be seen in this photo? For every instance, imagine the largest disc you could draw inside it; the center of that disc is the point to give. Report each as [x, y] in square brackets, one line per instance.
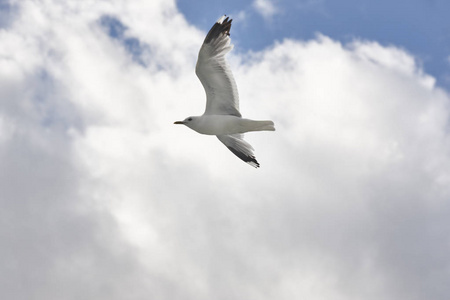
[214, 72]
[236, 144]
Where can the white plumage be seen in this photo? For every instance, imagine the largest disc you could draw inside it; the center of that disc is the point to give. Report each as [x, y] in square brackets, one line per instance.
[222, 117]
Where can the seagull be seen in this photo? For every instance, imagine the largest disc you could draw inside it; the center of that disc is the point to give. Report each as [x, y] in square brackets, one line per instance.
[222, 117]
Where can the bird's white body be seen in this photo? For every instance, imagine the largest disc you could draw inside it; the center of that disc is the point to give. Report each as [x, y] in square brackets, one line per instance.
[226, 124]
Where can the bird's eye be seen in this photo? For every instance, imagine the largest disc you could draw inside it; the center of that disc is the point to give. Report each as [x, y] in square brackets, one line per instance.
[189, 119]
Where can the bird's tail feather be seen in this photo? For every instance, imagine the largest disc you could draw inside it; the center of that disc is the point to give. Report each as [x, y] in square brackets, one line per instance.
[265, 125]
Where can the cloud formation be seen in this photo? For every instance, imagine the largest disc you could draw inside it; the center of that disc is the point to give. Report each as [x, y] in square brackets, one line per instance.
[103, 197]
[265, 8]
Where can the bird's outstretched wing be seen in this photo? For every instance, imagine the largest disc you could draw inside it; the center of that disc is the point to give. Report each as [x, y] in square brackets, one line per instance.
[239, 147]
[213, 71]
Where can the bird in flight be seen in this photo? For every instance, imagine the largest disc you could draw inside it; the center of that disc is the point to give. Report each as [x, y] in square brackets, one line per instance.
[222, 117]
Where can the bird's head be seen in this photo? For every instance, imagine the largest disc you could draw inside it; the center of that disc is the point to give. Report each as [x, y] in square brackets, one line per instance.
[189, 122]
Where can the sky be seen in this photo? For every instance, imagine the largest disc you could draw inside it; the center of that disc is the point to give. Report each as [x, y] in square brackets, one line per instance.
[102, 197]
[419, 27]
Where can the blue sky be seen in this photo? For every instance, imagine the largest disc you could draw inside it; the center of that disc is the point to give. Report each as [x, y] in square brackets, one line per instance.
[421, 27]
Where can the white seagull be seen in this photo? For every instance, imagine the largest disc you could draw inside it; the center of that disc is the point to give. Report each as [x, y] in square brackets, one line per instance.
[222, 117]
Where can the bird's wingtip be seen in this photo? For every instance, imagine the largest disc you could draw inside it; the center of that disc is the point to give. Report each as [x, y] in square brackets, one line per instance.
[224, 20]
[253, 163]
[221, 19]
[222, 26]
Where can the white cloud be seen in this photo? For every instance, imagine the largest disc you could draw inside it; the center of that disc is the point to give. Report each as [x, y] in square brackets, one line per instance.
[266, 8]
[103, 197]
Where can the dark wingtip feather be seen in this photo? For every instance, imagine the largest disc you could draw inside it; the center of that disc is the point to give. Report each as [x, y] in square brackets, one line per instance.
[253, 163]
[227, 25]
[223, 27]
[250, 159]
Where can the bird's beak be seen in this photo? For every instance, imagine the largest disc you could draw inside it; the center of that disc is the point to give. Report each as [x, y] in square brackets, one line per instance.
[179, 122]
